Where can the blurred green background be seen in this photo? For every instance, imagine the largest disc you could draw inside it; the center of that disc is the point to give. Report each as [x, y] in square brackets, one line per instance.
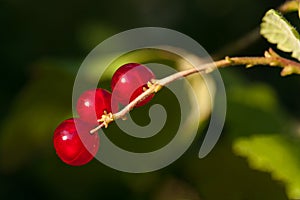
[42, 46]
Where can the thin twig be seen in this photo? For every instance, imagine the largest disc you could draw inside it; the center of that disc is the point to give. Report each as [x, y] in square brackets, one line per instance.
[270, 59]
[253, 35]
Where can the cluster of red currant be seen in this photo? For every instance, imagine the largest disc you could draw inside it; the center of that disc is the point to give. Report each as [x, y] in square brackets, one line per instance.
[73, 142]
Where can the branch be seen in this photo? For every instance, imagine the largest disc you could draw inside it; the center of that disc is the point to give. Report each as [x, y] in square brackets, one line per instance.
[252, 36]
[270, 59]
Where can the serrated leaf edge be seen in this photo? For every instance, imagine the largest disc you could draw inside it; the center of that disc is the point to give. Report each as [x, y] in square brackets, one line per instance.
[289, 28]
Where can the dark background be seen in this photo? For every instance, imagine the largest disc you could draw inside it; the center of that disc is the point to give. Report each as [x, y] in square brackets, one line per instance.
[42, 46]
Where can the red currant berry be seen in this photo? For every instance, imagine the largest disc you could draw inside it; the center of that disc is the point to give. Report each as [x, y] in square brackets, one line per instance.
[74, 144]
[92, 104]
[129, 81]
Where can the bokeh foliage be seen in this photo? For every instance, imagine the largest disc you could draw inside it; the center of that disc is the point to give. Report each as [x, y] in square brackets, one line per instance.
[42, 46]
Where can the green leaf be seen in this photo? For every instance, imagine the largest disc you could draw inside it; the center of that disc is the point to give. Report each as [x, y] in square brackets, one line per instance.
[259, 128]
[276, 154]
[232, 177]
[277, 30]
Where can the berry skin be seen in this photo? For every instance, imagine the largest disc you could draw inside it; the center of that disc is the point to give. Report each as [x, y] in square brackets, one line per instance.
[92, 104]
[74, 144]
[129, 81]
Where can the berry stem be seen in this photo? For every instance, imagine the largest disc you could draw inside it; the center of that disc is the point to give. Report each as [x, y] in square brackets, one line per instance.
[94, 130]
[270, 58]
